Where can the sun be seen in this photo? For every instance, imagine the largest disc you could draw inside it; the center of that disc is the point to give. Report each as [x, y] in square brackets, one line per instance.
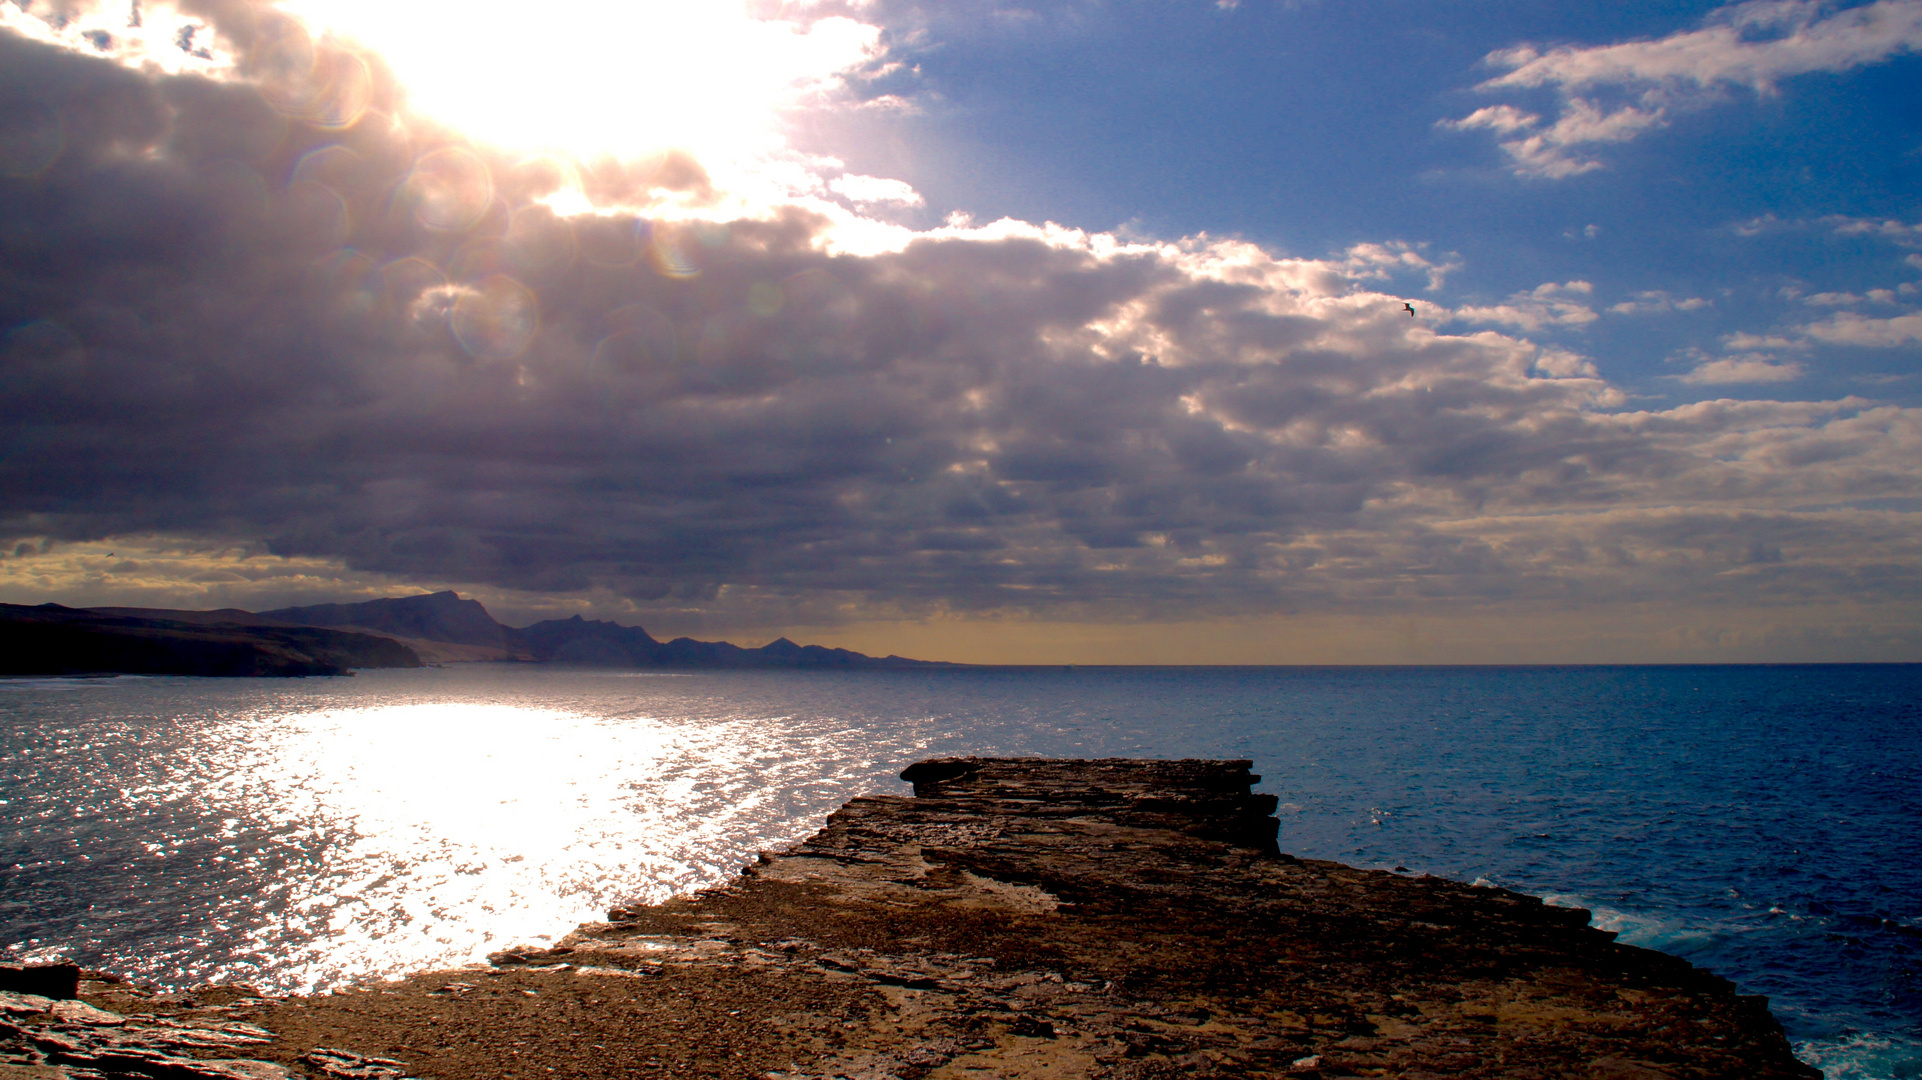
[604, 77]
[714, 81]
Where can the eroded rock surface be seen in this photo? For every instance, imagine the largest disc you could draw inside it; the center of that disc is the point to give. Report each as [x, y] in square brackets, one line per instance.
[65, 1039]
[1025, 918]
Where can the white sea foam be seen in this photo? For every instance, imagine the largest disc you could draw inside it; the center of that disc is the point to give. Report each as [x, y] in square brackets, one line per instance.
[1665, 932]
[1863, 1057]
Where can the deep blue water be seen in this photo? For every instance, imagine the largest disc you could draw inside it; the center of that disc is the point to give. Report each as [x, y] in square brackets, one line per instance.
[1763, 822]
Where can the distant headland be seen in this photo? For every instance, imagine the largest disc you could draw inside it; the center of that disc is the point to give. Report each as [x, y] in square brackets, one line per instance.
[335, 639]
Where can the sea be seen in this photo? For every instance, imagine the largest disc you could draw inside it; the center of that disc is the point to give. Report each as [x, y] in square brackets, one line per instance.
[1764, 822]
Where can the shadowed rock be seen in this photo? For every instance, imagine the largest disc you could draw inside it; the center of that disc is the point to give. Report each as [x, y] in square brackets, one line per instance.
[60, 982]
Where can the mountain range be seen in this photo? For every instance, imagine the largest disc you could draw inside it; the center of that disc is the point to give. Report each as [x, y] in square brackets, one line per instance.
[331, 639]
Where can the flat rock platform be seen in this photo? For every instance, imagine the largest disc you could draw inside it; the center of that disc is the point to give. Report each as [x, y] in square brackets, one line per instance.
[1015, 918]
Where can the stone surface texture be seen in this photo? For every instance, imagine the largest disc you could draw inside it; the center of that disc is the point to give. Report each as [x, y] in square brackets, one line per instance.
[1021, 918]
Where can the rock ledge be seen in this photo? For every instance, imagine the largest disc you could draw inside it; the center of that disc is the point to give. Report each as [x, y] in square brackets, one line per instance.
[1037, 918]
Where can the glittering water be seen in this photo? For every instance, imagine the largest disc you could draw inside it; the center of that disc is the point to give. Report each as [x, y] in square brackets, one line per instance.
[1765, 822]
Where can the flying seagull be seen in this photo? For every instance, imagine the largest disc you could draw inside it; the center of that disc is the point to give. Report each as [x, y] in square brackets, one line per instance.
[1409, 308]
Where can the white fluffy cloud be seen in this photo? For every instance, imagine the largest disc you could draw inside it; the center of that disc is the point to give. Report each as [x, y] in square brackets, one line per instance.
[862, 190]
[1848, 328]
[1382, 262]
[1656, 302]
[1737, 370]
[1617, 92]
[1900, 232]
[1545, 151]
[1545, 305]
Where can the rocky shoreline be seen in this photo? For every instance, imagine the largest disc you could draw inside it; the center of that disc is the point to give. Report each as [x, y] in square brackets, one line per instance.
[1015, 918]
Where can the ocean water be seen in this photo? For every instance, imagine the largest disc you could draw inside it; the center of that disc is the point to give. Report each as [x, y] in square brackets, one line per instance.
[1764, 822]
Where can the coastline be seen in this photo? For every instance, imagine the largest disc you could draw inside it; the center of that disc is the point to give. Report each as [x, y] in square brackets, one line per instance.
[1021, 917]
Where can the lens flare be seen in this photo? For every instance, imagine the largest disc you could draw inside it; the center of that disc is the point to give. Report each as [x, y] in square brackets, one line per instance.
[449, 189]
[334, 166]
[642, 341]
[765, 298]
[42, 346]
[351, 281]
[477, 260]
[538, 244]
[404, 280]
[317, 82]
[496, 319]
[315, 213]
[674, 253]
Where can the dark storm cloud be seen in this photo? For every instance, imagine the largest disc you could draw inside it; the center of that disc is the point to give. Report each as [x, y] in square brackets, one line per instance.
[229, 317]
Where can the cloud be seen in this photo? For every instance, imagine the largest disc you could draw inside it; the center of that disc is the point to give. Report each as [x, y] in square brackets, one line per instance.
[864, 190]
[1844, 299]
[1736, 370]
[161, 38]
[388, 354]
[1753, 359]
[1562, 364]
[1900, 232]
[1543, 306]
[1656, 301]
[1750, 45]
[1544, 152]
[1380, 262]
[1848, 328]
[1744, 341]
[1500, 119]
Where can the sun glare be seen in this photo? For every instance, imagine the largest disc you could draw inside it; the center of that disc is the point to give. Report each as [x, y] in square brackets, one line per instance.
[613, 77]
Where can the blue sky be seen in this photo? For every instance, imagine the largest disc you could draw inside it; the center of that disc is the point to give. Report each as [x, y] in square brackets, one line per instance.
[1074, 333]
[1311, 127]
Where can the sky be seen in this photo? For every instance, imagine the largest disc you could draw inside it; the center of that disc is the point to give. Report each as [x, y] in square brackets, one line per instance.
[1087, 332]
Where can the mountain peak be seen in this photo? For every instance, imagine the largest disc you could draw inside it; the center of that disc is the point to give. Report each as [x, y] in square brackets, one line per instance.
[441, 616]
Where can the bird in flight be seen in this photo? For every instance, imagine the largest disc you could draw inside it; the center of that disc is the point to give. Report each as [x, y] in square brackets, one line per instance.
[1409, 308]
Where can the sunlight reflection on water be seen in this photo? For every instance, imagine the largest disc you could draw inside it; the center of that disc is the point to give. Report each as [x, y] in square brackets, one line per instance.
[464, 821]
[466, 827]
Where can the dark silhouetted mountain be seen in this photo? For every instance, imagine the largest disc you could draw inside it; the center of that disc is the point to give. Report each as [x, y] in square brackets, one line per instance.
[55, 640]
[441, 616]
[586, 641]
[327, 639]
[606, 644]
